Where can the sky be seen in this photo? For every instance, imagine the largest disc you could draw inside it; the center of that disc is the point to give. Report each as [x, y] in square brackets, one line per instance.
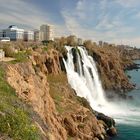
[114, 21]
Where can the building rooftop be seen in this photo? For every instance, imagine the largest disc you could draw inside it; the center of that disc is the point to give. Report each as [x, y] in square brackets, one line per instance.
[13, 26]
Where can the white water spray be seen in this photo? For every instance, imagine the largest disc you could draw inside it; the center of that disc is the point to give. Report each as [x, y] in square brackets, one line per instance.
[85, 81]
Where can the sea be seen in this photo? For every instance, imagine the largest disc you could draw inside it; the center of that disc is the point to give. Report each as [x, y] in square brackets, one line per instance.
[128, 126]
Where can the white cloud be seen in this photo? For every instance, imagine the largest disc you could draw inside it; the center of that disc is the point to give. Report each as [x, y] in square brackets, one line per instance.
[21, 12]
[109, 27]
[128, 3]
[26, 15]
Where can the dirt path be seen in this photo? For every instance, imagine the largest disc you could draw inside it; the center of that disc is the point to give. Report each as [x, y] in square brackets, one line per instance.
[6, 59]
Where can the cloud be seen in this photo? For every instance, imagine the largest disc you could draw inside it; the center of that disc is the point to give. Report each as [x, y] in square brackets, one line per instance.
[94, 20]
[21, 12]
[128, 3]
[26, 15]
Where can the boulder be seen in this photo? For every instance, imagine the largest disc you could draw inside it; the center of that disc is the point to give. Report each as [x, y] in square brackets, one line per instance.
[112, 131]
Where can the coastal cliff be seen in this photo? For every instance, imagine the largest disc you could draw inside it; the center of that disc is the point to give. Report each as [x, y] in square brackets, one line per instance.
[42, 84]
[111, 65]
[40, 81]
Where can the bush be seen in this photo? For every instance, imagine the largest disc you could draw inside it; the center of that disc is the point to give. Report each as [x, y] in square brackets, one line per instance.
[9, 51]
[16, 119]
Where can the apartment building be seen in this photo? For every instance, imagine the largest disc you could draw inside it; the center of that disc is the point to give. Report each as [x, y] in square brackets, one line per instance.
[46, 33]
[28, 35]
[36, 35]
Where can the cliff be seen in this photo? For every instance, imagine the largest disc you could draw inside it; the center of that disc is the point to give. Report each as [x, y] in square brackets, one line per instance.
[111, 65]
[131, 53]
[40, 83]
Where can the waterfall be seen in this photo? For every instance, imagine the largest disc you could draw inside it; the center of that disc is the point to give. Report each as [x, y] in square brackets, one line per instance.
[85, 81]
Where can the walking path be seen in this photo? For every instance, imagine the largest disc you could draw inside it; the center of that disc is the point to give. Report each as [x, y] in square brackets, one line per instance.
[6, 59]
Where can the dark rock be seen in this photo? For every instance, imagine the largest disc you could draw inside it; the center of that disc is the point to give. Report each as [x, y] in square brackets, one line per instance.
[108, 120]
[112, 131]
[130, 97]
[133, 66]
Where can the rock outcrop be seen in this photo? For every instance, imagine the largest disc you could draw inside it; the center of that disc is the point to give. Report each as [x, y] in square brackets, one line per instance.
[111, 67]
[42, 84]
[34, 88]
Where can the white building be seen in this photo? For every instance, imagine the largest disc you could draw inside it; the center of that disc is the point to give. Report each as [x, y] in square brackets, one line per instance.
[2, 54]
[14, 33]
[46, 33]
[4, 39]
[28, 35]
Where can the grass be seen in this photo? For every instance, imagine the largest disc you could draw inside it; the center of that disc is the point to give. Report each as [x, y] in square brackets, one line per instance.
[58, 84]
[15, 117]
[55, 82]
[21, 56]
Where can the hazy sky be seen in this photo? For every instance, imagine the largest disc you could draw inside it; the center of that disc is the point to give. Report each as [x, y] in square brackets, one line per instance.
[115, 21]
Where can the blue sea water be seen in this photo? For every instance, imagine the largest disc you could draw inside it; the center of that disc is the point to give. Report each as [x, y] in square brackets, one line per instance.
[129, 126]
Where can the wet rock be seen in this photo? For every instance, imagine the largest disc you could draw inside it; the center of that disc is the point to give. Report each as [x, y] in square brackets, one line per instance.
[112, 131]
[108, 120]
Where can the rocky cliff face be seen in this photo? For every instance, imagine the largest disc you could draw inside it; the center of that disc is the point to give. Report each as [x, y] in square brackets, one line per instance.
[111, 67]
[41, 83]
[131, 53]
[34, 88]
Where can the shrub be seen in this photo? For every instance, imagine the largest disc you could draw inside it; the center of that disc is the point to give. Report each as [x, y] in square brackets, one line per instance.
[15, 116]
[9, 51]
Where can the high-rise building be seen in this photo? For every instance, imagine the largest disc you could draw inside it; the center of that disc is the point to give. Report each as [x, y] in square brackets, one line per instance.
[46, 33]
[36, 35]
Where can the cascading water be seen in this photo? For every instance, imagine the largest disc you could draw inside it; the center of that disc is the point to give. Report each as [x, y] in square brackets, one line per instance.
[85, 81]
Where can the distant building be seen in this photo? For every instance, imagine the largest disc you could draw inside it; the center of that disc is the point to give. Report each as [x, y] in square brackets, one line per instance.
[28, 36]
[14, 33]
[105, 44]
[2, 54]
[36, 35]
[46, 33]
[4, 39]
[80, 41]
[100, 43]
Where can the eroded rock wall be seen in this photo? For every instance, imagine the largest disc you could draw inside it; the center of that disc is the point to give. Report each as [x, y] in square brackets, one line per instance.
[40, 83]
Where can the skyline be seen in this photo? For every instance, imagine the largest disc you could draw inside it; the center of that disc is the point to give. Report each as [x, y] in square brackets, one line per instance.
[113, 21]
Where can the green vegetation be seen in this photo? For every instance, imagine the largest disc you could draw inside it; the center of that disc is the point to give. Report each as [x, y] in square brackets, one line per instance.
[15, 116]
[64, 97]
[55, 81]
[9, 50]
[21, 56]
